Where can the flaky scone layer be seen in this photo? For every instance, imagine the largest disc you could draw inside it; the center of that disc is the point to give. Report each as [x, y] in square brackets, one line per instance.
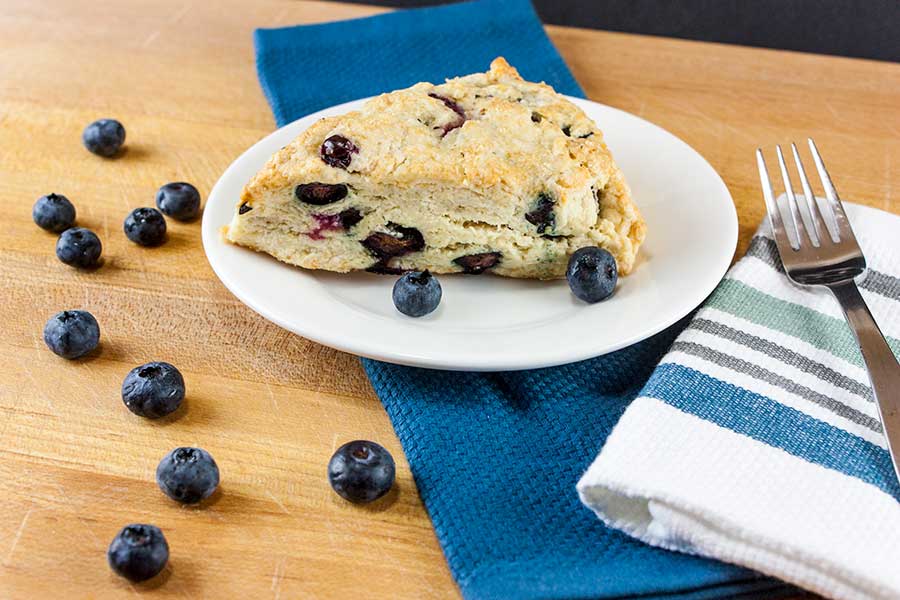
[486, 170]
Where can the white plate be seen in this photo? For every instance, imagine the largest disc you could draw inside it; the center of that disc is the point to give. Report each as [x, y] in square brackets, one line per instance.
[489, 323]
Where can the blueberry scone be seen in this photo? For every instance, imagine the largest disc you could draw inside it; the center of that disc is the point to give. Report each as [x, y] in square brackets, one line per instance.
[486, 172]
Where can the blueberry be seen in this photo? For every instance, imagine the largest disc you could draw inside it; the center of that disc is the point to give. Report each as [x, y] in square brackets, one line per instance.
[187, 475]
[145, 226]
[320, 194]
[452, 105]
[53, 212]
[244, 208]
[153, 390]
[592, 274]
[104, 137]
[337, 151]
[138, 552]
[385, 246]
[400, 241]
[179, 200]
[72, 333]
[79, 247]
[361, 471]
[476, 264]
[542, 216]
[417, 293]
[324, 223]
[349, 217]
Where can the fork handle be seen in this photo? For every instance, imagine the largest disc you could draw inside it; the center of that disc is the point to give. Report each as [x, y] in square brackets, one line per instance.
[884, 371]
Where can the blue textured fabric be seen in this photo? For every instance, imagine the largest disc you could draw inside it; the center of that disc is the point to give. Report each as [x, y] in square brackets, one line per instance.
[307, 68]
[496, 456]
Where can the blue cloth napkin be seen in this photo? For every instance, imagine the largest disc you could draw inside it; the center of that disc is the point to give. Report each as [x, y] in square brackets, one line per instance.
[495, 456]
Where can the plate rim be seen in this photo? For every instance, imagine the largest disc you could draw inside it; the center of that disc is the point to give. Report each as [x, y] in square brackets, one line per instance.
[210, 235]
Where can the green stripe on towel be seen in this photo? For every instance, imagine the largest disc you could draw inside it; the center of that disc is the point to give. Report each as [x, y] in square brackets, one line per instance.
[824, 332]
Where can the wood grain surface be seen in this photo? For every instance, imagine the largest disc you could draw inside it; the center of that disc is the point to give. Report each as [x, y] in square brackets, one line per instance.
[75, 465]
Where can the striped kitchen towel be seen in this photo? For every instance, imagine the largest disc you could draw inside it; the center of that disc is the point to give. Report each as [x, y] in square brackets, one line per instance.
[756, 440]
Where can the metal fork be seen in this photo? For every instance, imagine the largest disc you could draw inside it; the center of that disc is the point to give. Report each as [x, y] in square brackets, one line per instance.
[830, 256]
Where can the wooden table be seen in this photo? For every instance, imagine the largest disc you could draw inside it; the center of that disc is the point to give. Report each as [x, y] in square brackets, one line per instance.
[75, 465]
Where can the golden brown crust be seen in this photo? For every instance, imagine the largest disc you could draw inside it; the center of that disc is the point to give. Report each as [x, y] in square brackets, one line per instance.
[519, 142]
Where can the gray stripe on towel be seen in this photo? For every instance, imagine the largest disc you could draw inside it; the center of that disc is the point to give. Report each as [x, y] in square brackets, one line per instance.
[886, 285]
[761, 374]
[784, 355]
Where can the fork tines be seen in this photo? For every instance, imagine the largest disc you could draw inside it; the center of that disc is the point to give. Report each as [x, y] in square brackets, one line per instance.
[814, 226]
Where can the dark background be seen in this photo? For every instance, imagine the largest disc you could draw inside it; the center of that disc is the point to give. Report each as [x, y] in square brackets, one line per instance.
[860, 28]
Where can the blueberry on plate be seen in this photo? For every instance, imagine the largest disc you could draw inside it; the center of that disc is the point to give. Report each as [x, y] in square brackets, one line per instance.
[361, 471]
[53, 212]
[592, 274]
[153, 390]
[179, 200]
[104, 137]
[145, 227]
[72, 333]
[79, 247]
[138, 552]
[187, 475]
[417, 293]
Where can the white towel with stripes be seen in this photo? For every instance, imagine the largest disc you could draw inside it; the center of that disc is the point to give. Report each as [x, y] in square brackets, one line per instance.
[757, 442]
